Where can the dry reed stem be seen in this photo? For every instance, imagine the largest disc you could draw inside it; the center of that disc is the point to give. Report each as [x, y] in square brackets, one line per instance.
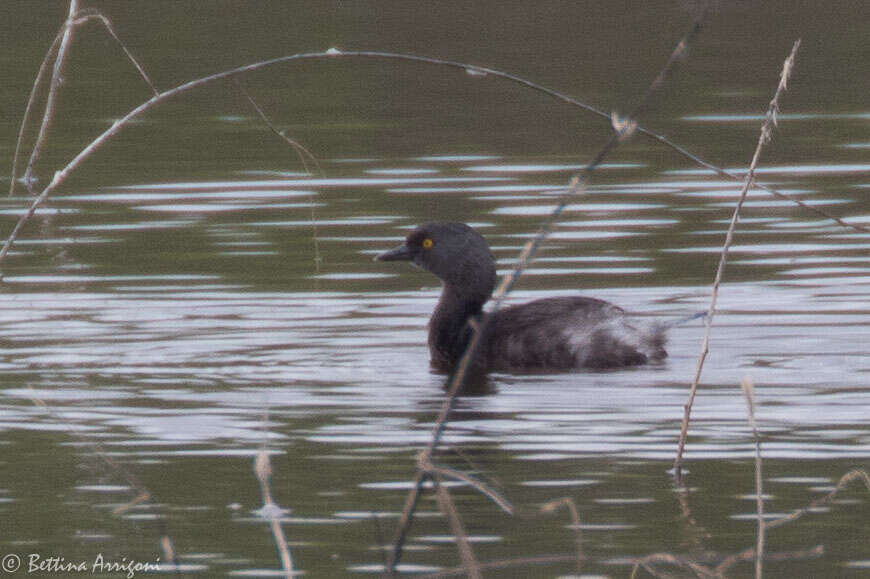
[25, 120]
[142, 493]
[466, 553]
[496, 497]
[405, 521]
[111, 30]
[263, 470]
[622, 131]
[472, 465]
[753, 554]
[168, 550]
[728, 562]
[143, 497]
[852, 475]
[647, 564]
[445, 503]
[53, 88]
[81, 18]
[696, 533]
[764, 138]
[457, 380]
[749, 393]
[699, 566]
[569, 503]
[749, 555]
[57, 51]
[305, 156]
[736, 177]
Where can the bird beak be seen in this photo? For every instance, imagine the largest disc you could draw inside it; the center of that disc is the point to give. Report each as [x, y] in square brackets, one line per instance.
[400, 253]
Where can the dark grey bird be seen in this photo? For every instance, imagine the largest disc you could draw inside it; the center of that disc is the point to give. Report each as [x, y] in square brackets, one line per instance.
[559, 333]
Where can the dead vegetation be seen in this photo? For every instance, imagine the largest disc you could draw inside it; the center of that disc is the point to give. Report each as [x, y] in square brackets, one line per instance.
[429, 474]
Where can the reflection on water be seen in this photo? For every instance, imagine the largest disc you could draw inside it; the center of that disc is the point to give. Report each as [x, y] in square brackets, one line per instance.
[187, 319]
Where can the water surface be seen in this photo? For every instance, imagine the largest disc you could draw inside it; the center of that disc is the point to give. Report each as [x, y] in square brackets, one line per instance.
[194, 297]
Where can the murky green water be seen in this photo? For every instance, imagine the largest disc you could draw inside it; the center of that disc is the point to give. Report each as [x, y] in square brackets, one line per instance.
[191, 296]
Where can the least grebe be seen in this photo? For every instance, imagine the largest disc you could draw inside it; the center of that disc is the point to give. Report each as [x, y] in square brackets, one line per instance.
[547, 334]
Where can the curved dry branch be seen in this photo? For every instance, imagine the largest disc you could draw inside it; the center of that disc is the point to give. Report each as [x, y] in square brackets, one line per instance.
[377, 55]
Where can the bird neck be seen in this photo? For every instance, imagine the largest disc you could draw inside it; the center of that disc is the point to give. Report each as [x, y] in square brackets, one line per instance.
[449, 331]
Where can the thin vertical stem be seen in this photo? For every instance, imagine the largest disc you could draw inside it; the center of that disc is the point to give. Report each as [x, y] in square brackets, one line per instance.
[575, 521]
[763, 139]
[53, 90]
[576, 187]
[263, 470]
[445, 501]
[749, 394]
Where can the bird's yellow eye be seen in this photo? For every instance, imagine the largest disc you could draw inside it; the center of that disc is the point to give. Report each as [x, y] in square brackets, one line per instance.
[427, 243]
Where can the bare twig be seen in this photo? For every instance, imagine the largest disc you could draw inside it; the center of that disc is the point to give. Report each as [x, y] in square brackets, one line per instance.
[53, 90]
[95, 145]
[142, 494]
[650, 560]
[764, 138]
[486, 490]
[569, 503]
[699, 566]
[749, 555]
[427, 471]
[168, 550]
[749, 393]
[458, 378]
[623, 129]
[405, 520]
[737, 177]
[111, 30]
[80, 18]
[484, 71]
[57, 54]
[143, 497]
[445, 501]
[696, 533]
[25, 121]
[376, 55]
[263, 470]
[305, 157]
[845, 480]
